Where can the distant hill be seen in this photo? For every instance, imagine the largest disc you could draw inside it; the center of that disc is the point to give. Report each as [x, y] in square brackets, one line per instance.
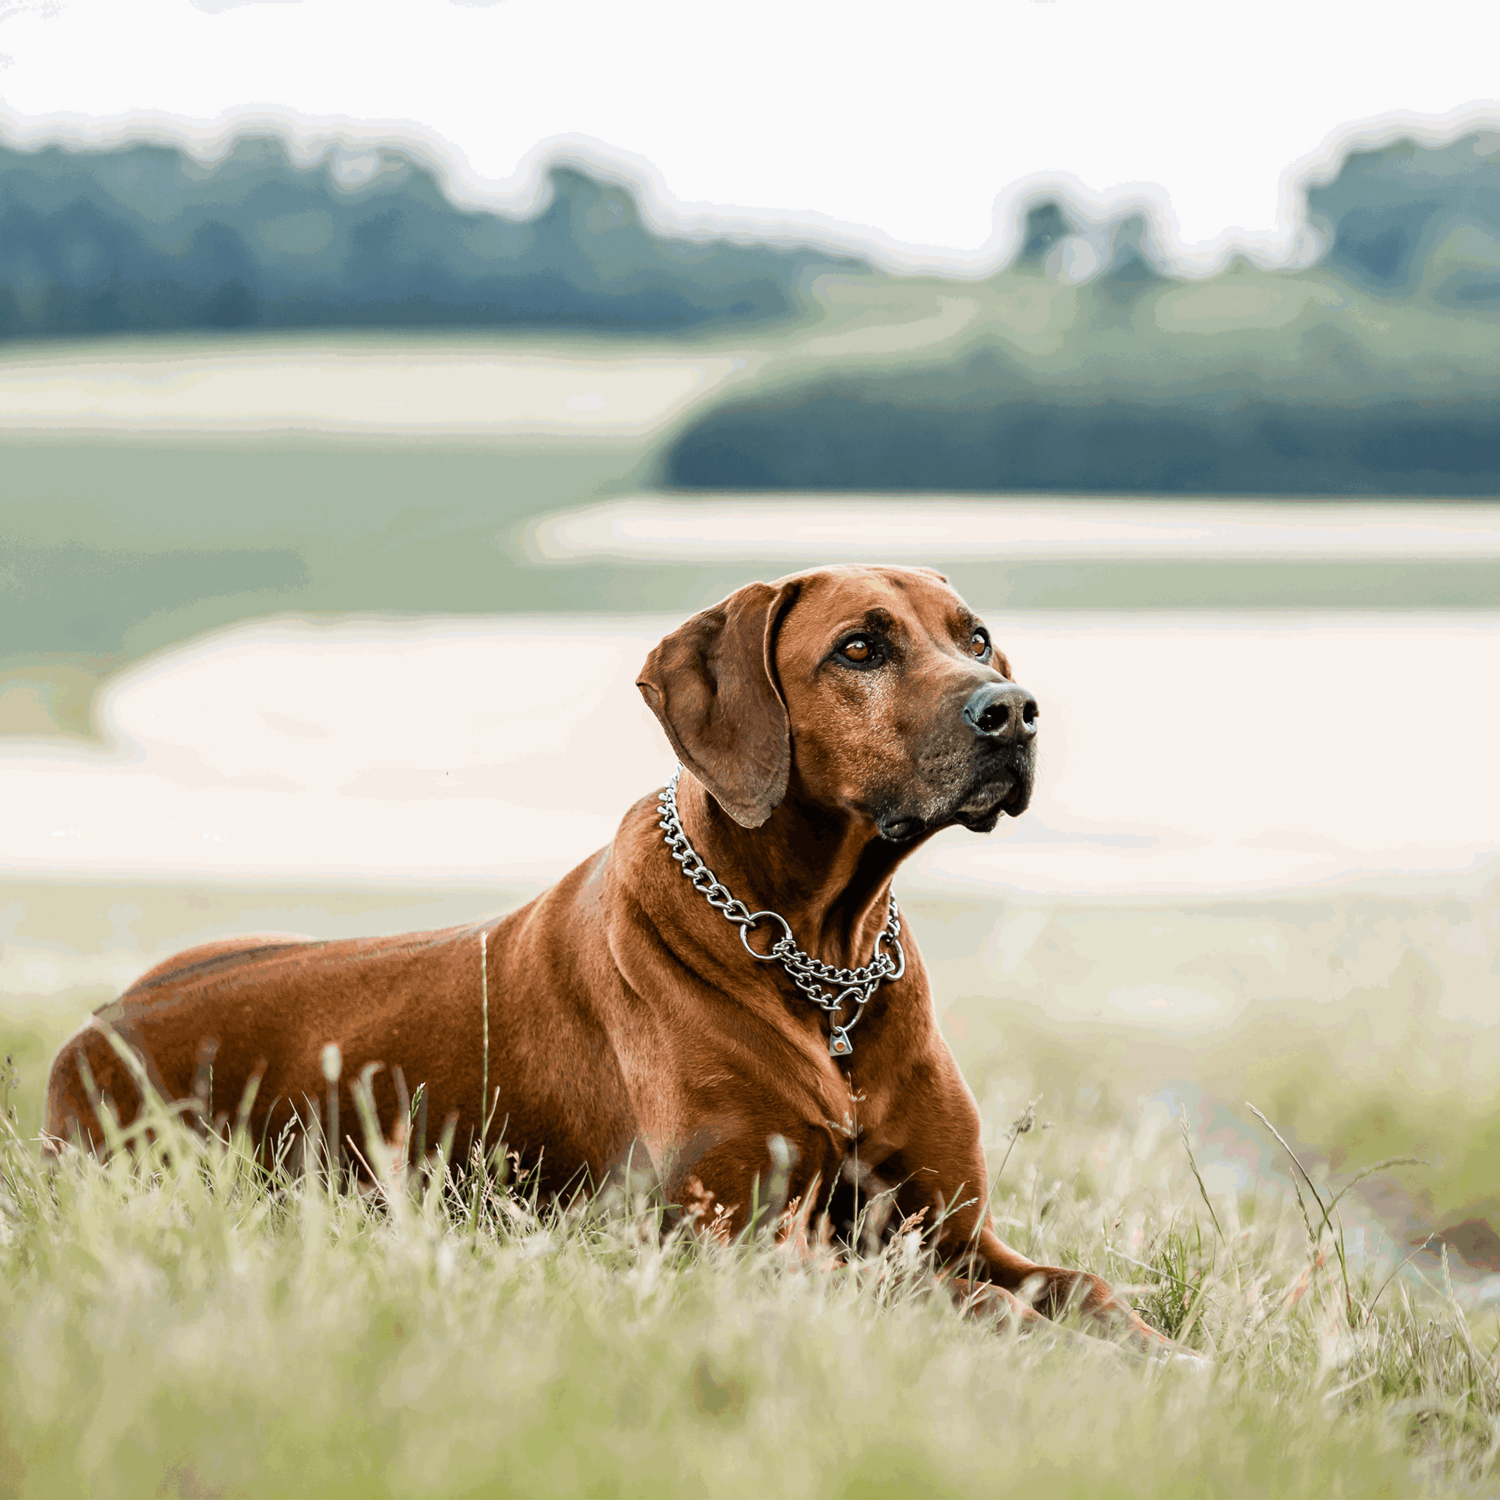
[1088, 367]
[145, 238]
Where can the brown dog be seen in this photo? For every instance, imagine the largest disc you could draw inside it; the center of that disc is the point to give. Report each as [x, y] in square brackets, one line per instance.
[828, 724]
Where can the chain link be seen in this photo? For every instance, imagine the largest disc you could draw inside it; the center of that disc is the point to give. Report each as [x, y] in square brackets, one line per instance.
[829, 988]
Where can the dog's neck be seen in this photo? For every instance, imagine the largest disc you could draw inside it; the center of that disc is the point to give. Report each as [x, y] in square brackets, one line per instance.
[828, 872]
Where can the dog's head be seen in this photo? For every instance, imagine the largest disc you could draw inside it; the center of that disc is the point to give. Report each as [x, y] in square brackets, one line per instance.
[873, 690]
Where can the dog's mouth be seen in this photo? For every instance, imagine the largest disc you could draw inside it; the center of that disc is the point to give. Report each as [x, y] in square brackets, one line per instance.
[990, 800]
[993, 793]
[999, 786]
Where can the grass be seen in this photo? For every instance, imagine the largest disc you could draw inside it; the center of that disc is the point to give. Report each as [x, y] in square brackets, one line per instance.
[187, 1322]
[190, 1324]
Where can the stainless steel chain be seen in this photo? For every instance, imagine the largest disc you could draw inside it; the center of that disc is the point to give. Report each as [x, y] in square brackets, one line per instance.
[828, 988]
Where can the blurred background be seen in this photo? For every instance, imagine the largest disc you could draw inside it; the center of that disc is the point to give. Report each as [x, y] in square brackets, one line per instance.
[356, 446]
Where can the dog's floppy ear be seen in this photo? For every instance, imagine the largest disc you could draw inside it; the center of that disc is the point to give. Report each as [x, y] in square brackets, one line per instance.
[712, 683]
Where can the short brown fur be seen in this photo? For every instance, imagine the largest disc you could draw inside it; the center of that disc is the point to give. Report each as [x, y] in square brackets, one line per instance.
[626, 1023]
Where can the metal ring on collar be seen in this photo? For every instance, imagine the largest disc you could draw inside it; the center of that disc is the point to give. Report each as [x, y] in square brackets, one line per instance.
[900, 959]
[754, 921]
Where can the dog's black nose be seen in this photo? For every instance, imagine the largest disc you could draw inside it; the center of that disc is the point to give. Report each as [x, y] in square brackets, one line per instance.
[1002, 711]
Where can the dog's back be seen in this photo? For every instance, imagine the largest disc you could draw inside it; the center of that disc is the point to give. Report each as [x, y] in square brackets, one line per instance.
[248, 1019]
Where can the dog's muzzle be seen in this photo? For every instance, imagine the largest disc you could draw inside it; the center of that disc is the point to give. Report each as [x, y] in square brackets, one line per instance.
[990, 776]
[1003, 720]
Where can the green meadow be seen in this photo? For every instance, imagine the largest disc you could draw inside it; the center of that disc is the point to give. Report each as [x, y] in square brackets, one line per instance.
[190, 1323]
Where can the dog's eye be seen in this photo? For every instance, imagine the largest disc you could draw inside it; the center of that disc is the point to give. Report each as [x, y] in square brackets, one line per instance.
[858, 650]
[979, 643]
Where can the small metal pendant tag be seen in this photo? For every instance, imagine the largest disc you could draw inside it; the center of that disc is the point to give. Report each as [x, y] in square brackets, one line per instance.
[839, 1045]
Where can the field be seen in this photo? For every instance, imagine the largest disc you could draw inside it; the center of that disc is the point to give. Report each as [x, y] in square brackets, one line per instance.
[195, 1326]
[156, 489]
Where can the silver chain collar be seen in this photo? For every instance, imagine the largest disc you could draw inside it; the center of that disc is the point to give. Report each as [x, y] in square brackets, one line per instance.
[828, 988]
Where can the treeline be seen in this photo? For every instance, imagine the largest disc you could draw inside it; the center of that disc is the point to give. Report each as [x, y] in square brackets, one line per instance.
[1372, 372]
[144, 238]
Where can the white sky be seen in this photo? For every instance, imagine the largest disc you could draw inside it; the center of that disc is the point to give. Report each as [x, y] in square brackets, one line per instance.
[906, 128]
